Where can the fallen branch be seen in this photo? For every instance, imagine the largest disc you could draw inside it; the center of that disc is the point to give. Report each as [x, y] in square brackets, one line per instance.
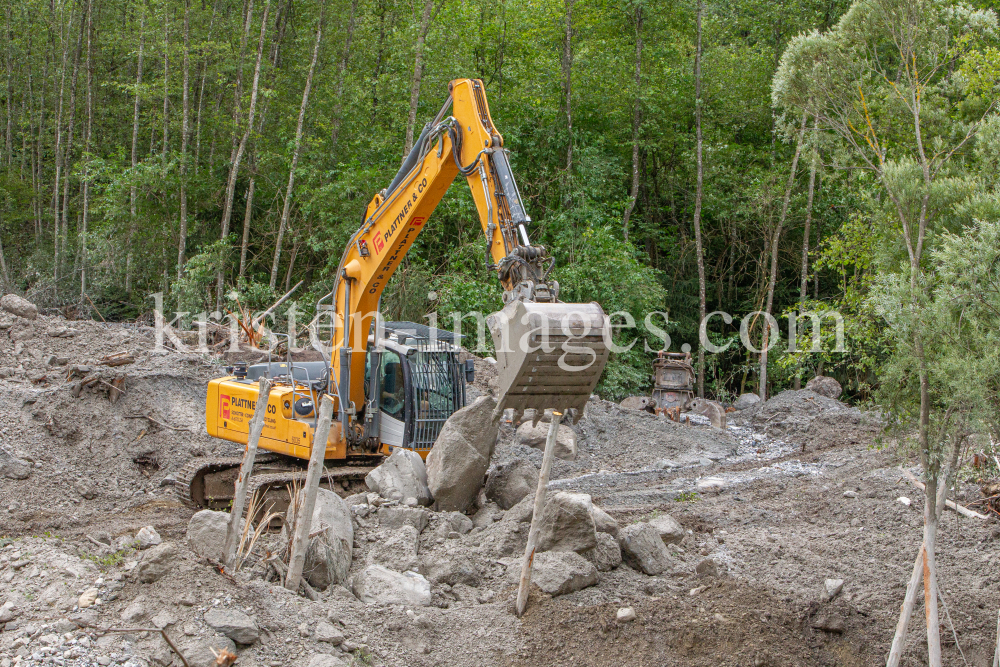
[96, 310]
[260, 318]
[173, 428]
[964, 511]
[162, 633]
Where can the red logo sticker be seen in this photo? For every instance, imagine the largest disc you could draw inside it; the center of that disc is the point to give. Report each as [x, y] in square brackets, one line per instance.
[379, 244]
[224, 402]
[418, 221]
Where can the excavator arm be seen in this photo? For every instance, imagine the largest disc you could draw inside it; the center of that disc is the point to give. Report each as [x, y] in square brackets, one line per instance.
[467, 143]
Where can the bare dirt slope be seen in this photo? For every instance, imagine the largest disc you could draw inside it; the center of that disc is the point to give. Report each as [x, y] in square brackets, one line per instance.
[777, 521]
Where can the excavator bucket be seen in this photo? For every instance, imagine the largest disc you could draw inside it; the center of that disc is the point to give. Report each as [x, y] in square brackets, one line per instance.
[549, 355]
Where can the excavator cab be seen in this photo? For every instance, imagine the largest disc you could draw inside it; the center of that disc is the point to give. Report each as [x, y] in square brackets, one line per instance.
[414, 381]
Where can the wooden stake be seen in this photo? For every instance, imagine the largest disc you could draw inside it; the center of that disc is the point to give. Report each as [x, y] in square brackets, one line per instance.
[930, 594]
[996, 651]
[300, 541]
[536, 517]
[899, 640]
[233, 531]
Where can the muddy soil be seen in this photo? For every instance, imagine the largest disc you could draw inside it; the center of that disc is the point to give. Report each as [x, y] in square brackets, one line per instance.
[791, 494]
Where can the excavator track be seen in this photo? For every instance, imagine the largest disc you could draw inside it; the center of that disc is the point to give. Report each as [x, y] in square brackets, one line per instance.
[209, 483]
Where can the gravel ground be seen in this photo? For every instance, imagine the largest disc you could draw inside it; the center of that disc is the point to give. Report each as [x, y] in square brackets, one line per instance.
[791, 494]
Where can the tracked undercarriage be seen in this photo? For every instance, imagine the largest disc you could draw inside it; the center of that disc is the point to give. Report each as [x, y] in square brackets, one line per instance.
[209, 483]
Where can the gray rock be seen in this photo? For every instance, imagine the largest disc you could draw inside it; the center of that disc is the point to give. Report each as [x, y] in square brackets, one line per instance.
[398, 552]
[707, 567]
[325, 660]
[461, 455]
[745, 401]
[604, 522]
[328, 558]
[135, 610]
[198, 651]
[451, 570]
[534, 436]
[567, 523]
[234, 624]
[394, 516]
[521, 512]
[457, 522]
[825, 386]
[206, 533]
[12, 467]
[8, 612]
[833, 587]
[508, 483]
[671, 532]
[829, 621]
[403, 475]
[561, 572]
[147, 537]
[636, 403]
[21, 307]
[643, 550]
[607, 555]
[156, 562]
[380, 585]
[329, 633]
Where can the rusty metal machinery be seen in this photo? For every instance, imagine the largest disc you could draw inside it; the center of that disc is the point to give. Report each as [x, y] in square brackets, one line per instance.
[673, 381]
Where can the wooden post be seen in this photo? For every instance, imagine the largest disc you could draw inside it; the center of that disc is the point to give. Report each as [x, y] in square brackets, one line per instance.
[899, 640]
[246, 469]
[303, 515]
[536, 517]
[996, 652]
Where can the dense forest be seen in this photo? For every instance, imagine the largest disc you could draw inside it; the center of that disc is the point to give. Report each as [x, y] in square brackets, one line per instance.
[682, 157]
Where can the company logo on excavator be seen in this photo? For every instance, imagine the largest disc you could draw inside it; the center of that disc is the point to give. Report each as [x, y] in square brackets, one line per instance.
[224, 403]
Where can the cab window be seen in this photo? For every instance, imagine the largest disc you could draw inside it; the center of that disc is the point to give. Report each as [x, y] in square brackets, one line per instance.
[392, 396]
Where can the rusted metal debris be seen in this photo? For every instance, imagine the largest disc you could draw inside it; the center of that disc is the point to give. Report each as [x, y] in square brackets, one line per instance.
[673, 381]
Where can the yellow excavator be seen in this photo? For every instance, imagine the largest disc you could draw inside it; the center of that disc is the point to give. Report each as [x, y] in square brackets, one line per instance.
[395, 384]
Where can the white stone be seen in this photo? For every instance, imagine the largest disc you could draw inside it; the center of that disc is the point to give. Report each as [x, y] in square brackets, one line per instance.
[88, 598]
[626, 614]
[833, 587]
[402, 475]
[380, 585]
[903, 500]
[147, 537]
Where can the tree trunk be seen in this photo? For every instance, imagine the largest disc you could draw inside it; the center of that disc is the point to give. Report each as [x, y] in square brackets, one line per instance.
[341, 74]
[201, 93]
[418, 70]
[804, 286]
[379, 58]
[247, 216]
[59, 116]
[636, 120]
[567, 66]
[185, 114]
[166, 92]
[86, 150]
[774, 256]
[135, 152]
[59, 244]
[298, 146]
[8, 141]
[698, 192]
[227, 212]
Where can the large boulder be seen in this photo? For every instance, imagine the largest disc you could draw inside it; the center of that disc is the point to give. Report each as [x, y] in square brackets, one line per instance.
[559, 572]
[21, 307]
[671, 532]
[156, 562]
[461, 455]
[206, 533]
[567, 523]
[12, 467]
[825, 386]
[452, 569]
[328, 557]
[401, 477]
[200, 651]
[643, 549]
[508, 483]
[607, 555]
[397, 552]
[234, 624]
[380, 585]
[604, 522]
[746, 401]
[534, 435]
[394, 516]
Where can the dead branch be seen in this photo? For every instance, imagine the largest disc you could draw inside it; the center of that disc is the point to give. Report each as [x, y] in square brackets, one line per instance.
[162, 633]
[964, 511]
[173, 428]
